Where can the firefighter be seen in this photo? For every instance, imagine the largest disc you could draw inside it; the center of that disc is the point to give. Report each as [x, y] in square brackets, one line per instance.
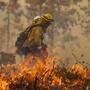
[34, 42]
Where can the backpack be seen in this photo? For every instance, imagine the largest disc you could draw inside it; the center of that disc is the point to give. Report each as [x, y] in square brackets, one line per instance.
[23, 36]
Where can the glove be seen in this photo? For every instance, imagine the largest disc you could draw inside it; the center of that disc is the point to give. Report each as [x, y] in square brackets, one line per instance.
[43, 45]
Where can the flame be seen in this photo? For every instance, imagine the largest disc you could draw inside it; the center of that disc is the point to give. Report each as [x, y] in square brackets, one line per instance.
[4, 83]
[41, 72]
[79, 69]
[56, 81]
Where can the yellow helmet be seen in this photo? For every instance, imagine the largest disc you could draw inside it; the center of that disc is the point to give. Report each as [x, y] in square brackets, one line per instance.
[47, 17]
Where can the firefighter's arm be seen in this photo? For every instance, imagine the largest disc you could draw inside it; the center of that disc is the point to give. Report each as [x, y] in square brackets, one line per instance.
[37, 37]
[34, 37]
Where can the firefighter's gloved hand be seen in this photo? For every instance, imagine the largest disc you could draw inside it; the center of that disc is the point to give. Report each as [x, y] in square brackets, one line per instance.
[44, 45]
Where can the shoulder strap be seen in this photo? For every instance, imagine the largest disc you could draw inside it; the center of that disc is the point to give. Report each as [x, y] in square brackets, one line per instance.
[29, 28]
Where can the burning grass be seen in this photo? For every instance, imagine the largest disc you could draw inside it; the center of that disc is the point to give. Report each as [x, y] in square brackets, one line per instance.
[33, 74]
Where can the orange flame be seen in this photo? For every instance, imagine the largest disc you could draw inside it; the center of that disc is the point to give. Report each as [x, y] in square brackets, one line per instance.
[43, 70]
